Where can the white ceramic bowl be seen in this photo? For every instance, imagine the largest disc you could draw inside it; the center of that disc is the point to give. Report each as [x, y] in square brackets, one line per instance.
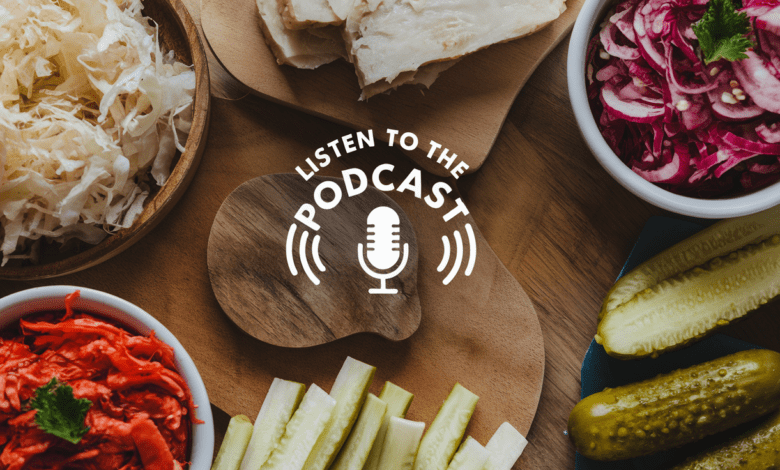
[16, 306]
[589, 18]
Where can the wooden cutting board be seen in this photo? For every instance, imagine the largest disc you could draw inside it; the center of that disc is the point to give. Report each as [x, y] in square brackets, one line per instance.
[298, 282]
[481, 331]
[463, 110]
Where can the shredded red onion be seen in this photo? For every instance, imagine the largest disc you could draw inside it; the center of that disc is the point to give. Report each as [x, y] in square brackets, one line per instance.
[693, 129]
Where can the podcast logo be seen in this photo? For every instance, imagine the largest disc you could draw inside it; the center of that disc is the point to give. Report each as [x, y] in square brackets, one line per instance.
[315, 249]
[458, 254]
[383, 236]
[384, 256]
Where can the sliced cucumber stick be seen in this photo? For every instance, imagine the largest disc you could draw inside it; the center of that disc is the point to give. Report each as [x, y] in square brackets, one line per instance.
[234, 444]
[401, 444]
[504, 448]
[398, 401]
[301, 433]
[442, 439]
[349, 390]
[355, 450]
[471, 456]
[278, 407]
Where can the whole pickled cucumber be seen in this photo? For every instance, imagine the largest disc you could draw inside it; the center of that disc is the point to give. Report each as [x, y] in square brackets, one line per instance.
[756, 449]
[676, 408]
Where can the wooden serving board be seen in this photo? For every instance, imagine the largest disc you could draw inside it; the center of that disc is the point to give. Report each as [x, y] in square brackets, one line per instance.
[463, 110]
[481, 331]
[331, 297]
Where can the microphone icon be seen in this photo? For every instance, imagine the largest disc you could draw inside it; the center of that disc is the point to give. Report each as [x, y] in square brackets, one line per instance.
[383, 248]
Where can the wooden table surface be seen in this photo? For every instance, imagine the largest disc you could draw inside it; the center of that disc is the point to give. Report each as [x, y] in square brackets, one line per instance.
[560, 224]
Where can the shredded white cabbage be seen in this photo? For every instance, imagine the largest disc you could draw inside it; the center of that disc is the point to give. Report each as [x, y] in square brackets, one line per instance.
[92, 110]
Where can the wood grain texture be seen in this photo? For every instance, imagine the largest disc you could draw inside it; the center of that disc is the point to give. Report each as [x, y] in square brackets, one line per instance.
[558, 222]
[177, 33]
[463, 110]
[253, 284]
[480, 330]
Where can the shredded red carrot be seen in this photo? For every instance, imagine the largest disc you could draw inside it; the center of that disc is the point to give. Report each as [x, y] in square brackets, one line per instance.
[141, 407]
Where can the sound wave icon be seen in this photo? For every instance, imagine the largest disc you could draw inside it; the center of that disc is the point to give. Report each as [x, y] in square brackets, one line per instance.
[458, 254]
[315, 250]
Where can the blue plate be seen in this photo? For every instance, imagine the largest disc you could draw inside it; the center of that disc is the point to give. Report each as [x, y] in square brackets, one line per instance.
[599, 370]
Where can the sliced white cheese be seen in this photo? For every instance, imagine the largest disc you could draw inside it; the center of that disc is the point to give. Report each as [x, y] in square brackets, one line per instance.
[298, 48]
[389, 37]
[302, 14]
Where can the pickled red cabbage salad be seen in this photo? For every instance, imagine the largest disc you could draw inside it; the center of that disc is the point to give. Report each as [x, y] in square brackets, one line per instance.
[92, 115]
[694, 127]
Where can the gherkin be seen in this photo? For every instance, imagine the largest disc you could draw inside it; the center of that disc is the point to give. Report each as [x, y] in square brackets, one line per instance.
[755, 449]
[686, 307]
[674, 409]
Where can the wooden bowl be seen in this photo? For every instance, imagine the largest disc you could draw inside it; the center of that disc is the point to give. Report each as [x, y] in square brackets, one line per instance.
[178, 33]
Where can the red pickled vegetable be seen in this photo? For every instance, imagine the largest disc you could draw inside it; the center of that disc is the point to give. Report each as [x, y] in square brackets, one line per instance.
[141, 409]
[770, 21]
[151, 445]
[703, 130]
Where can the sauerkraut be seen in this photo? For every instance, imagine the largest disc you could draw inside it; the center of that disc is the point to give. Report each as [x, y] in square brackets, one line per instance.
[92, 115]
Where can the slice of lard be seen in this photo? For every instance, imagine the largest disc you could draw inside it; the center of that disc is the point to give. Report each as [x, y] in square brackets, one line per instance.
[302, 14]
[386, 38]
[298, 48]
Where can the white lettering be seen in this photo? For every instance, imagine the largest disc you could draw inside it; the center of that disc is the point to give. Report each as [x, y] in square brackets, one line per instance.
[362, 181]
[369, 141]
[334, 146]
[459, 209]
[449, 160]
[437, 190]
[305, 215]
[458, 170]
[405, 137]
[322, 156]
[336, 195]
[375, 178]
[349, 144]
[412, 182]
[392, 133]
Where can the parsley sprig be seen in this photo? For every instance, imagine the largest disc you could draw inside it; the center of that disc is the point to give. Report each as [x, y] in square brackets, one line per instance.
[721, 32]
[59, 412]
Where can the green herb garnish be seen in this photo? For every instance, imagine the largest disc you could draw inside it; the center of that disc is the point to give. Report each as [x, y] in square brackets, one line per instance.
[59, 412]
[721, 32]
